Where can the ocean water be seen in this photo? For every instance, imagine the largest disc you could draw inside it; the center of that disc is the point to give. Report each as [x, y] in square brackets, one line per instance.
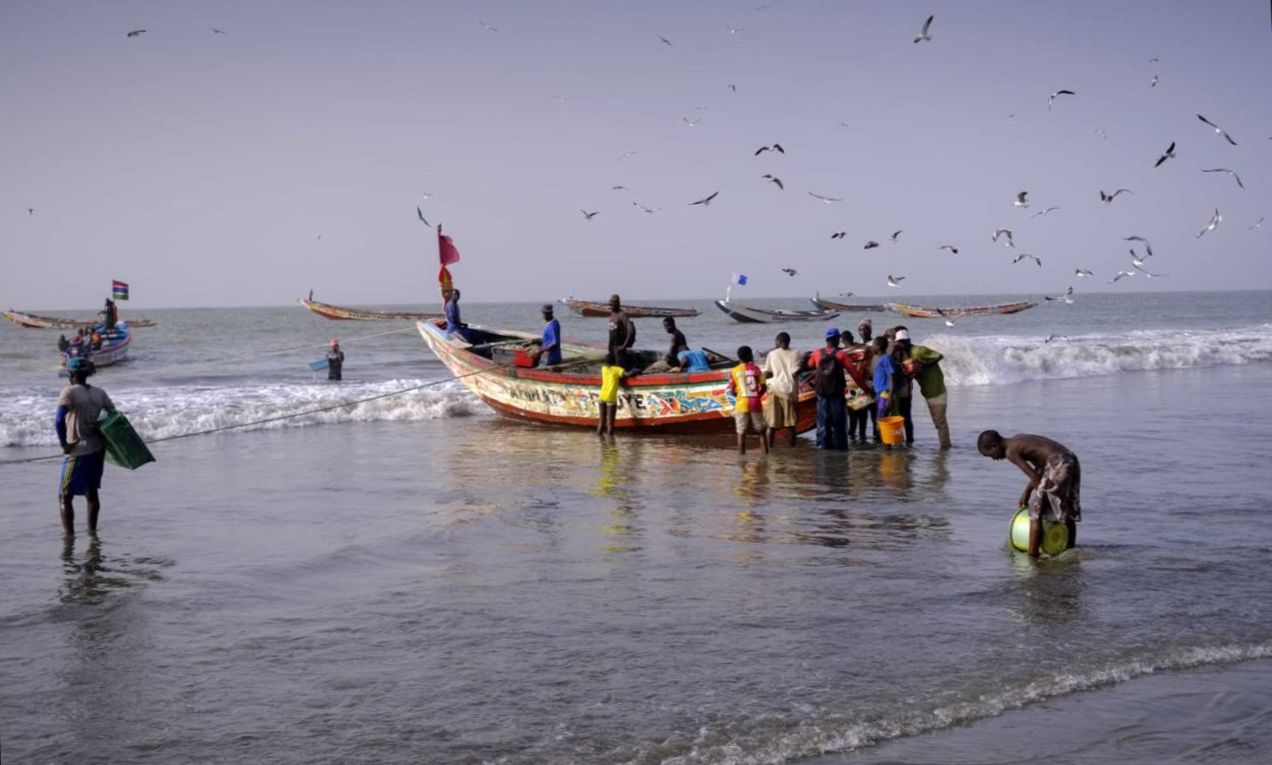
[416, 580]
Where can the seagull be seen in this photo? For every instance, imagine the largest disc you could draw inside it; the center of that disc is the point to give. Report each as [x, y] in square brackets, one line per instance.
[420, 214]
[1233, 173]
[953, 250]
[1120, 276]
[948, 321]
[1100, 132]
[1066, 298]
[136, 33]
[1257, 224]
[827, 200]
[1055, 337]
[789, 271]
[1218, 130]
[31, 211]
[427, 195]
[870, 245]
[1215, 220]
[487, 27]
[1051, 100]
[923, 35]
[1170, 154]
[625, 155]
[1011, 242]
[1044, 212]
[216, 31]
[1024, 255]
[1136, 260]
[666, 42]
[1153, 84]
[1148, 246]
[895, 235]
[691, 122]
[1144, 271]
[734, 30]
[1153, 60]
[1021, 201]
[644, 208]
[894, 281]
[1108, 198]
[589, 215]
[619, 188]
[839, 235]
[777, 147]
[774, 179]
[734, 88]
[1082, 273]
[705, 200]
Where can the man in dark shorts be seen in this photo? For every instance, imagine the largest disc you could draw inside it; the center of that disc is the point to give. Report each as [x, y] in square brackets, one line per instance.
[622, 334]
[1055, 480]
[78, 408]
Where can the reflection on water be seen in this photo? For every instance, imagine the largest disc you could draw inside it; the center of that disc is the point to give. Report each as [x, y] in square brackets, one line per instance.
[87, 579]
[613, 479]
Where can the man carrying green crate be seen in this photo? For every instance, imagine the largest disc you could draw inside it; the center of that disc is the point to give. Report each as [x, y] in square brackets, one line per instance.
[78, 408]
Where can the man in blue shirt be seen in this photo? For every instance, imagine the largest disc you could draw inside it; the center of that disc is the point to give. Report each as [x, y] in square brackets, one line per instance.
[549, 353]
[693, 360]
[454, 325]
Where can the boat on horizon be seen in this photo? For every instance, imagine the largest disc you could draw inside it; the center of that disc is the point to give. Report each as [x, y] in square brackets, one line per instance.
[344, 313]
[752, 315]
[35, 321]
[834, 305]
[955, 312]
[568, 394]
[594, 309]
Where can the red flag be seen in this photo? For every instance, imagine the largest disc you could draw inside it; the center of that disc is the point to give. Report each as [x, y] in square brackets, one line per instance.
[446, 251]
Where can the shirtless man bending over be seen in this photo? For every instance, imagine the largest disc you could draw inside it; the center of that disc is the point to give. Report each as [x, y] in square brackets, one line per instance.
[1055, 480]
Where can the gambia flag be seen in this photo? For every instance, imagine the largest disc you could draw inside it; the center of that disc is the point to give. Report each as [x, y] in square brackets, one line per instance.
[119, 290]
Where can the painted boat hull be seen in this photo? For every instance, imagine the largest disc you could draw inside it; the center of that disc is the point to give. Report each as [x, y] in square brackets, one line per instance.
[594, 310]
[955, 312]
[114, 348]
[831, 305]
[35, 321]
[750, 315]
[343, 313]
[655, 403]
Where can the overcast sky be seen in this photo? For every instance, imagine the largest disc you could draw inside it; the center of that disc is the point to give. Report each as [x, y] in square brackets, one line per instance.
[245, 168]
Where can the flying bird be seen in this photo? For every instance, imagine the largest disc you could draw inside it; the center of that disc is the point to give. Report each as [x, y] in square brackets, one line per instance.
[589, 215]
[645, 209]
[1218, 130]
[666, 42]
[619, 188]
[1233, 173]
[1153, 60]
[1100, 132]
[777, 147]
[1011, 242]
[1257, 224]
[1153, 84]
[774, 179]
[827, 200]
[1082, 273]
[949, 322]
[1170, 154]
[1021, 200]
[487, 27]
[427, 195]
[136, 33]
[1066, 298]
[1148, 246]
[734, 30]
[420, 214]
[1140, 267]
[31, 211]
[895, 281]
[789, 271]
[691, 122]
[895, 236]
[870, 245]
[625, 155]
[1108, 198]
[1044, 212]
[216, 31]
[923, 34]
[1120, 276]
[734, 88]
[1215, 220]
[950, 247]
[1052, 100]
[705, 200]
[1025, 255]
[839, 235]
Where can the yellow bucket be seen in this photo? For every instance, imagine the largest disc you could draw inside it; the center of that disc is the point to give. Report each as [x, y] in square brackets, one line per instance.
[892, 429]
[1055, 536]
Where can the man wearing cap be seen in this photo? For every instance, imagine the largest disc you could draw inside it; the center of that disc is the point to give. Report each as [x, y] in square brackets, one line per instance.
[78, 407]
[924, 365]
[549, 352]
[335, 361]
[829, 365]
[622, 333]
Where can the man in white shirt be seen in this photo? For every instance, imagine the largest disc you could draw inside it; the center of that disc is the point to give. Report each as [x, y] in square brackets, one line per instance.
[781, 370]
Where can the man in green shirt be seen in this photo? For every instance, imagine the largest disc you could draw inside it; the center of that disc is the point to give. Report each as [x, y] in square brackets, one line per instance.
[924, 365]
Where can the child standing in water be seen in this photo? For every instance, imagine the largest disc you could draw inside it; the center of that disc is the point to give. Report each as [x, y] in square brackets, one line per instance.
[611, 377]
[746, 383]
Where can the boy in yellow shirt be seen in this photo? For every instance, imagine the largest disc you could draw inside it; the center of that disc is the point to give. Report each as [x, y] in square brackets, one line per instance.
[611, 378]
[746, 383]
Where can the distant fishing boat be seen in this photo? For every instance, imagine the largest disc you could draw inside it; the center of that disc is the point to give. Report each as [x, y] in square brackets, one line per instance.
[35, 321]
[752, 315]
[343, 313]
[114, 348]
[663, 402]
[954, 312]
[833, 305]
[592, 309]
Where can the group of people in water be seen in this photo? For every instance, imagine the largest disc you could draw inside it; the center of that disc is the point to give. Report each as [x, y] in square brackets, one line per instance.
[87, 340]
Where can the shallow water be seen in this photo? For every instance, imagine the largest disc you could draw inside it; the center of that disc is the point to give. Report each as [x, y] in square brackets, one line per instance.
[456, 588]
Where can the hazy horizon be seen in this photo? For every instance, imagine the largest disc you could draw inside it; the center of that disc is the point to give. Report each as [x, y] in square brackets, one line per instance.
[243, 169]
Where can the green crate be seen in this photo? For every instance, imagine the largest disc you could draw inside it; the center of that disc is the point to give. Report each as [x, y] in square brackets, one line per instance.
[123, 446]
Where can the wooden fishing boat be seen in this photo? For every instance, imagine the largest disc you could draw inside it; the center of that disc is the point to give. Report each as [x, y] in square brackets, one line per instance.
[114, 349]
[592, 309]
[35, 321]
[954, 312]
[662, 402]
[752, 315]
[342, 313]
[833, 305]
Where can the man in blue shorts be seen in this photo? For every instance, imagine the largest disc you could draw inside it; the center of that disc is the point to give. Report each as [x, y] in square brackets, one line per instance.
[78, 408]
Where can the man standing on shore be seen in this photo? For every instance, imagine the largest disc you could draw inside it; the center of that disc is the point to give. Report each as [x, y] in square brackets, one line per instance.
[924, 364]
[1055, 480]
[78, 407]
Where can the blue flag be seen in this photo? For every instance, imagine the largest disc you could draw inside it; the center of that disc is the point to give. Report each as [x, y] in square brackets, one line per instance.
[738, 279]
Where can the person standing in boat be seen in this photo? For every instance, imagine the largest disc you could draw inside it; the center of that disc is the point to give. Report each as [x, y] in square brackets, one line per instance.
[678, 343]
[549, 352]
[110, 315]
[622, 333]
[78, 407]
[335, 361]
